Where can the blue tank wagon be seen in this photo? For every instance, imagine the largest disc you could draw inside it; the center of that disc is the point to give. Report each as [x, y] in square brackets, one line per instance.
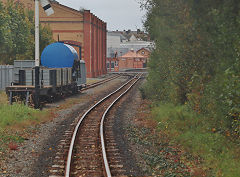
[61, 72]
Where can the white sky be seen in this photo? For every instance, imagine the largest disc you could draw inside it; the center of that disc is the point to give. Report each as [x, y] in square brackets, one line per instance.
[119, 14]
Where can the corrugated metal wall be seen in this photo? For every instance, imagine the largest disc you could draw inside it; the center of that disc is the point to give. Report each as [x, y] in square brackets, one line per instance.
[6, 76]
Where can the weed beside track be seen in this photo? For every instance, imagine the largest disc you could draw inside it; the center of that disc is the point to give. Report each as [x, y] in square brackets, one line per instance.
[14, 119]
[175, 141]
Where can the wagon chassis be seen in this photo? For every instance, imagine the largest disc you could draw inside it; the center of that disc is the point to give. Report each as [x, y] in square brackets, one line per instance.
[26, 93]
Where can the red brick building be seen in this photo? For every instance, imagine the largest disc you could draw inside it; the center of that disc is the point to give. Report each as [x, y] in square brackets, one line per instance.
[82, 29]
[95, 44]
[132, 60]
[145, 52]
[112, 64]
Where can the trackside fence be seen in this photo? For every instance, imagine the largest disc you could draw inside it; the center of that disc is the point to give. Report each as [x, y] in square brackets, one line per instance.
[6, 76]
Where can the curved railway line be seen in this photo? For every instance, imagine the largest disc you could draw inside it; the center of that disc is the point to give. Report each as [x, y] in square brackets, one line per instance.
[87, 157]
[91, 150]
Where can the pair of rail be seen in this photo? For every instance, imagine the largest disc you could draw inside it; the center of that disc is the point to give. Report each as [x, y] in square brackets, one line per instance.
[88, 86]
[104, 154]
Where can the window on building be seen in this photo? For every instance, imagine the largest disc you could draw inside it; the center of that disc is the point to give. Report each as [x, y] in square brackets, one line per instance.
[112, 64]
[116, 63]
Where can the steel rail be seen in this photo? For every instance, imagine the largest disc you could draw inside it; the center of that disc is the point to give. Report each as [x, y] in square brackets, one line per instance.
[68, 164]
[108, 79]
[105, 80]
[88, 86]
[107, 169]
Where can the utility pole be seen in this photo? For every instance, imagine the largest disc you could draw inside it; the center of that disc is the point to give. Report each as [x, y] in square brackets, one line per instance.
[37, 60]
[49, 11]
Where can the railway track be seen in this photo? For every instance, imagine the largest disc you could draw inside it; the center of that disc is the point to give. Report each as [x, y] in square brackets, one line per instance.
[88, 86]
[92, 150]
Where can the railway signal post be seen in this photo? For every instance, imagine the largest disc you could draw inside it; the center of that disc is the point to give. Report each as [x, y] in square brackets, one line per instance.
[49, 11]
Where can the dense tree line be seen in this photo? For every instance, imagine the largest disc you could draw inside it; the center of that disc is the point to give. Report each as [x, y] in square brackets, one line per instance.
[197, 56]
[17, 33]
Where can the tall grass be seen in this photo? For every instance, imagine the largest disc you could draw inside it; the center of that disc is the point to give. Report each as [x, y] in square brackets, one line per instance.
[15, 119]
[3, 98]
[18, 114]
[198, 135]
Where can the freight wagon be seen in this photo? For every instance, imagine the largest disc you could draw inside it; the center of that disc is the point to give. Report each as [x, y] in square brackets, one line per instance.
[61, 72]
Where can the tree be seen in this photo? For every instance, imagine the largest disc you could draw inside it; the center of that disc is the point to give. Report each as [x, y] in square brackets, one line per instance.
[196, 60]
[17, 33]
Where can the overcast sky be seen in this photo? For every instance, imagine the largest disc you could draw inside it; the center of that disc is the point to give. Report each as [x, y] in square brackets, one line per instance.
[119, 14]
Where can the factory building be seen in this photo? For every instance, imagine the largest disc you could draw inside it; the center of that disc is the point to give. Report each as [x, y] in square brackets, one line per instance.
[81, 29]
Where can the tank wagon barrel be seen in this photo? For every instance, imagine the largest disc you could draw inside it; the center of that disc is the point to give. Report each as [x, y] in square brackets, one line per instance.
[61, 72]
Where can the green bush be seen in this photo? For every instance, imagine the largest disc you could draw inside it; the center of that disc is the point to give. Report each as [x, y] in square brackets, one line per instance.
[196, 57]
[194, 71]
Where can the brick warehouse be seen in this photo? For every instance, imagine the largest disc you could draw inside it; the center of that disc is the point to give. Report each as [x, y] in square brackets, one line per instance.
[80, 28]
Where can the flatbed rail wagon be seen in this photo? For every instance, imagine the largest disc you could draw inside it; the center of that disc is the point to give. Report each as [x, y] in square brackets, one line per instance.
[61, 72]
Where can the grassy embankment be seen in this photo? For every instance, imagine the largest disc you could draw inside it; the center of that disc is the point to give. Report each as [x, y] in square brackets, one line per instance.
[194, 78]
[199, 136]
[14, 121]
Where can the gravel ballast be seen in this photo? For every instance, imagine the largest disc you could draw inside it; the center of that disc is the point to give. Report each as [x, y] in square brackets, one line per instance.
[35, 155]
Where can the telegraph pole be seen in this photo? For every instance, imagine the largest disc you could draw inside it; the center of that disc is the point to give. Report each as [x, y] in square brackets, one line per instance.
[49, 11]
[37, 60]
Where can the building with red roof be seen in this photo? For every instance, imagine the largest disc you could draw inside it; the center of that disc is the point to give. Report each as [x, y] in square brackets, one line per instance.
[132, 60]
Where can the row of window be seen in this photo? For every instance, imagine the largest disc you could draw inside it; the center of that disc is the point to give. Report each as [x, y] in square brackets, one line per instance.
[113, 64]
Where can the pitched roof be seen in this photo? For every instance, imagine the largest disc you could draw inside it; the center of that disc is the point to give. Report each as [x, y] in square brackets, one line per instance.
[132, 54]
[133, 38]
[144, 49]
[116, 33]
[64, 6]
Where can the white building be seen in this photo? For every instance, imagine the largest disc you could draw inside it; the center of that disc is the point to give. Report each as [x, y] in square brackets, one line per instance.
[118, 44]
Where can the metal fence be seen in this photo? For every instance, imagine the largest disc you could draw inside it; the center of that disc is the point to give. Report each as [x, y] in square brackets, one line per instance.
[6, 76]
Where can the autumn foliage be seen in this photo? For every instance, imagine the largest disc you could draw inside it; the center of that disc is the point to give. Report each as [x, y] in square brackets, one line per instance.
[196, 61]
[17, 33]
